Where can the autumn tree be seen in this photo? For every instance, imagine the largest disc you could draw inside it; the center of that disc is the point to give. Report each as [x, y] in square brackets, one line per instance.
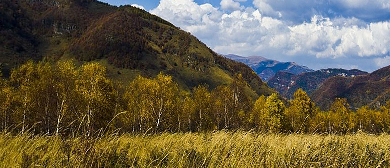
[138, 104]
[6, 104]
[45, 97]
[370, 120]
[24, 79]
[321, 123]
[153, 103]
[98, 97]
[187, 114]
[300, 111]
[274, 108]
[167, 99]
[386, 116]
[222, 104]
[242, 102]
[68, 98]
[203, 111]
[259, 117]
[340, 116]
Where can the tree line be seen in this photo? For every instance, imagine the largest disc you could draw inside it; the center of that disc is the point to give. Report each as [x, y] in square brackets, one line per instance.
[70, 100]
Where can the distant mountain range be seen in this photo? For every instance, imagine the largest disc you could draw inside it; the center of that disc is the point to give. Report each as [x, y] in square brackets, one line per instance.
[267, 68]
[322, 85]
[287, 83]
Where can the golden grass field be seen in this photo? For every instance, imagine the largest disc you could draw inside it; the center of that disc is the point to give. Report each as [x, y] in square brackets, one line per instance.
[218, 149]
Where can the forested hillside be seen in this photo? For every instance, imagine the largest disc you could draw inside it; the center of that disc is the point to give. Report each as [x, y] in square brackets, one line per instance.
[130, 41]
[287, 83]
[371, 89]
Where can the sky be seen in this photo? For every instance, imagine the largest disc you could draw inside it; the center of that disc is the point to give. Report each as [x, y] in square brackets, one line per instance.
[349, 34]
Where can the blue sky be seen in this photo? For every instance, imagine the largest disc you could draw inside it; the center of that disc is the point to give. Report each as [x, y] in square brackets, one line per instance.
[319, 34]
[151, 4]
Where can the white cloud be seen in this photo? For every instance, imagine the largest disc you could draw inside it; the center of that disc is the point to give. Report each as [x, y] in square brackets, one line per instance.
[265, 8]
[138, 6]
[322, 39]
[230, 5]
[185, 12]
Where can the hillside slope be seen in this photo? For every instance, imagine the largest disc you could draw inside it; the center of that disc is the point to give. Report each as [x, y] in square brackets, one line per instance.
[130, 40]
[372, 89]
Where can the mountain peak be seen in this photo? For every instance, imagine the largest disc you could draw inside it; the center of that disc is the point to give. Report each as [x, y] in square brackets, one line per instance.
[267, 68]
[257, 59]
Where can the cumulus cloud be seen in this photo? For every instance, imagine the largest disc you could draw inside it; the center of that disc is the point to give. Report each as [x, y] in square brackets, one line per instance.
[318, 42]
[230, 5]
[186, 12]
[266, 8]
[322, 38]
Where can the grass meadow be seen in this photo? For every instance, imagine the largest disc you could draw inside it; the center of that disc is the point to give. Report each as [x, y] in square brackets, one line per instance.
[217, 149]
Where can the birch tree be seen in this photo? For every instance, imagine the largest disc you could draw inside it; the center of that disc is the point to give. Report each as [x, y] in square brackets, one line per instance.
[98, 97]
[300, 111]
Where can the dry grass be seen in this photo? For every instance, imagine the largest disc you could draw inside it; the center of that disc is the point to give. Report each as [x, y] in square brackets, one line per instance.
[219, 149]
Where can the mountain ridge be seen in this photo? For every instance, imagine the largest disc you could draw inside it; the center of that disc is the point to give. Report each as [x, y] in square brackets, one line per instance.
[267, 68]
